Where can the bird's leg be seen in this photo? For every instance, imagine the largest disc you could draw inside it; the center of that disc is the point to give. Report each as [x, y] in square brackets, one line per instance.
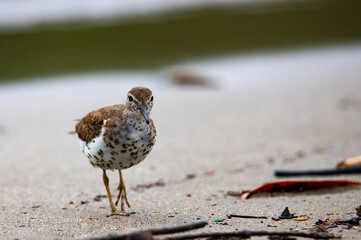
[122, 193]
[113, 210]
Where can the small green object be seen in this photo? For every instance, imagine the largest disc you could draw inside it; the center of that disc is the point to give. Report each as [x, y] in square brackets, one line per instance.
[218, 220]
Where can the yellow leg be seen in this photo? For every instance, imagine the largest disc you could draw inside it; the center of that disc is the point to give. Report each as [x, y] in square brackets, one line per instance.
[113, 210]
[122, 193]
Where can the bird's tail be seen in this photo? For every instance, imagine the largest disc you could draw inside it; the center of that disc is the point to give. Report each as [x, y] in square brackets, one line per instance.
[74, 132]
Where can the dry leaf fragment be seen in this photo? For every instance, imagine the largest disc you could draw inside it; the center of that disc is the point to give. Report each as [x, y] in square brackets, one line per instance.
[358, 211]
[190, 176]
[294, 229]
[349, 162]
[294, 186]
[301, 218]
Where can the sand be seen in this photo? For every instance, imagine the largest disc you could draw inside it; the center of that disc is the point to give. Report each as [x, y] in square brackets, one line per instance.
[229, 139]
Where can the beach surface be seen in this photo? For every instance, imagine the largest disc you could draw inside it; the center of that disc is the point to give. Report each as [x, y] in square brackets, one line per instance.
[291, 111]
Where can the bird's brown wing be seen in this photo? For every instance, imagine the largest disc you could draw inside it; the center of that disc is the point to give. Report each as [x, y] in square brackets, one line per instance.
[90, 126]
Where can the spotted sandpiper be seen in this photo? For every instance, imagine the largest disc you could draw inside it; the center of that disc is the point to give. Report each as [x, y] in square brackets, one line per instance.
[119, 137]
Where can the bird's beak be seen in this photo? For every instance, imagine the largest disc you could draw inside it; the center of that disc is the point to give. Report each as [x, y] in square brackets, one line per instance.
[144, 110]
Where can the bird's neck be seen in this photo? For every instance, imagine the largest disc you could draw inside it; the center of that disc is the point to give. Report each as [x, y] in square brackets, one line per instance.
[134, 114]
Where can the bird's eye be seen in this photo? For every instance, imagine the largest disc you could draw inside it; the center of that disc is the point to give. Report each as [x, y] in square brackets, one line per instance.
[130, 98]
[151, 98]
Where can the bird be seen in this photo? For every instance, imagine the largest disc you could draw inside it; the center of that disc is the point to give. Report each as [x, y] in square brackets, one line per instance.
[118, 137]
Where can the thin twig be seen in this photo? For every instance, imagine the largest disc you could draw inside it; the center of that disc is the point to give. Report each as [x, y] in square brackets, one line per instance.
[320, 172]
[245, 216]
[248, 234]
[155, 231]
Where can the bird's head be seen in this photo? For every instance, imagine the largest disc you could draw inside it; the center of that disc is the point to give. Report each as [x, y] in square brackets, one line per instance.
[140, 100]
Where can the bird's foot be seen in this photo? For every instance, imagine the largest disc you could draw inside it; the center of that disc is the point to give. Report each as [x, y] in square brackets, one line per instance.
[115, 212]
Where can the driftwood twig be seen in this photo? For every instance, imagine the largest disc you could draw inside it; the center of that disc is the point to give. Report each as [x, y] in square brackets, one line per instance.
[245, 216]
[319, 172]
[147, 234]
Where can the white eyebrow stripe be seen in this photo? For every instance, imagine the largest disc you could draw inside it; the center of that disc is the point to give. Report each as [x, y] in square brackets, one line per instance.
[134, 98]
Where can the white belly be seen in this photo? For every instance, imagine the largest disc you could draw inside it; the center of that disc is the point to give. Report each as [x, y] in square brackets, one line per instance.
[126, 147]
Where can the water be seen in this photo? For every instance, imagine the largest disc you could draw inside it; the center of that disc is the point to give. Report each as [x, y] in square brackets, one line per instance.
[158, 41]
[21, 14]
[236, 73]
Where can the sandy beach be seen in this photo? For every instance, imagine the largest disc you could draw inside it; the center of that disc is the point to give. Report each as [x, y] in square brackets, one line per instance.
[230, 138]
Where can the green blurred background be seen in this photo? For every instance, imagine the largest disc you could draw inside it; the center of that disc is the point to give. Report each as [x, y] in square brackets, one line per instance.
[154, 41]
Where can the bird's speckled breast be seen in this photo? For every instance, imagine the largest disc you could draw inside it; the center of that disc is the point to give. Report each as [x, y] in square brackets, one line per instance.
[121, 146]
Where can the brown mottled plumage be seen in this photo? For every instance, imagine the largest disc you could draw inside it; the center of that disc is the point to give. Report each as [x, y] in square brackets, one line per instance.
[119, 137]
[90, 126]
[141, 93]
